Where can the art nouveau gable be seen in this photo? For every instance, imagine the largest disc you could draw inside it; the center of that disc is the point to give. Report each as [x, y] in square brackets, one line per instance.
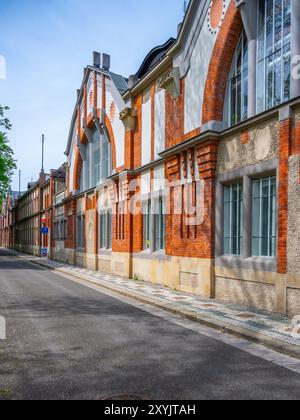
[195, 56]
[96, 140]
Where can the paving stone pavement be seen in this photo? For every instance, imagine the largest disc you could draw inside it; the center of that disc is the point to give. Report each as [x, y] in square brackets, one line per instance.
[275, 326]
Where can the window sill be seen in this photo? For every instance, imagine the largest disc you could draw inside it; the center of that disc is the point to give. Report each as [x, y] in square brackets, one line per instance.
[148, 255]
[268, 264]
[104, 251]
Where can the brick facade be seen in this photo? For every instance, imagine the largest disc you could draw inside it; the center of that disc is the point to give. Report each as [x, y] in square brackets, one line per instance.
[194, 157]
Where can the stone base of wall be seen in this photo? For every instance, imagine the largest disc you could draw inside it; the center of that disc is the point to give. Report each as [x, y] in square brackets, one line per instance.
[91, 261]
[28, 249]
[256, 295]
[80, 259]
[61, 254]
[264, 290]
[183, 274]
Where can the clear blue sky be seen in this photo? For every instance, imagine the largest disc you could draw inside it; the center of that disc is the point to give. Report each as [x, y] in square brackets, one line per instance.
[47, 43]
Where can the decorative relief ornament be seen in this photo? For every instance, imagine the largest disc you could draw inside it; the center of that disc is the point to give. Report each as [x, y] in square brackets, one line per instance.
[91, 98]
[112, 112]
[128, 116]
[216, 15]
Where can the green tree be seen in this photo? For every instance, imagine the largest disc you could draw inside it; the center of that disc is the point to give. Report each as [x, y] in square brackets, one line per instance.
[7, 162]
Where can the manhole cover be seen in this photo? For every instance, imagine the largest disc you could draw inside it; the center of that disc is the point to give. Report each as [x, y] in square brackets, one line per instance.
[124, 397]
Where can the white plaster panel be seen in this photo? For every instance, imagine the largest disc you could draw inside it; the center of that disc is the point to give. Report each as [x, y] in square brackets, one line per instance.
[119, 133]
[99, 92]
[146, 183]
[195, 80]
[160, 120]
[113, 112]
[146, 132]
[159, 178]
[90, 94]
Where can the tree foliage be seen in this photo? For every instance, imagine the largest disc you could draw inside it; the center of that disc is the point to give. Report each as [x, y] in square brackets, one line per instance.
[7, 162]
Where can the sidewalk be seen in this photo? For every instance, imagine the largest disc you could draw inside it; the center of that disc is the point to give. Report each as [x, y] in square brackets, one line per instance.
[273, 331]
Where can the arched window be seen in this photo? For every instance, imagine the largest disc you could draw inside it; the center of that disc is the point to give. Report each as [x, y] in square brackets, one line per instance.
[274, 53]
[97, 160]
[105, 162]
[95, 151]
[236, 103]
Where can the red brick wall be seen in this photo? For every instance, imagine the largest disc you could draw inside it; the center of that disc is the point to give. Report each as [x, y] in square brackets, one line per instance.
[137, 135]
[296, 138]
[285, 149]
[70, 213]
[182, 239]
[220, 65]
[174, 118]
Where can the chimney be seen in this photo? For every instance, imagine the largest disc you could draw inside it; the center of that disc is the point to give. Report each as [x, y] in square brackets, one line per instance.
[132, 81]
[106, 62]
[96, 59]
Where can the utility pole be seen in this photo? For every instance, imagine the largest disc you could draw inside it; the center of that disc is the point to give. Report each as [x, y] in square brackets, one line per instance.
[43, 145]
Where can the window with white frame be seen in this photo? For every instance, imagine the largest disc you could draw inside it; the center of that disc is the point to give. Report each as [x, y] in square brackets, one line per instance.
[80, 231]
[95, 153]
[105, 229]
[159, 223]
[236, 104]
[97, 162]
[233, 219]
[147, 213]
[264, 206]
[274, 53]
[105, 165]
[154, 223]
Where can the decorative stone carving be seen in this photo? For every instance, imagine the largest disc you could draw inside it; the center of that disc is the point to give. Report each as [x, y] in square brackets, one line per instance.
[128, 117]
[170, 81]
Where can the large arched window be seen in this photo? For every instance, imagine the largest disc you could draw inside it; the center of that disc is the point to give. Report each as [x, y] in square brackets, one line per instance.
[274, 53]
[97, 160]
[236, 104]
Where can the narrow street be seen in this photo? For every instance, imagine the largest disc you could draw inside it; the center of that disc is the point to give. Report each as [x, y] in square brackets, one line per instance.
[68, 341]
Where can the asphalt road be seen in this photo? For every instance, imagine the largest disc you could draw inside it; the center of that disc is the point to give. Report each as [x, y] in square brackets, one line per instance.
[67, 341]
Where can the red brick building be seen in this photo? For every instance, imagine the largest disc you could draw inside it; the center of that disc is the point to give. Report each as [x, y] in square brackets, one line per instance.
[187, 173]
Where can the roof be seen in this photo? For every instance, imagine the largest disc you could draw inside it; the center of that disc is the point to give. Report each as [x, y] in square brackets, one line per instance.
[159, 56]
[120, 82]
[154, 57]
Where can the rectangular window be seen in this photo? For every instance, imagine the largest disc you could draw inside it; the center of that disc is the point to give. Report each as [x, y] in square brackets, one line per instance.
[264, 205]
[147, 224]
[105, 229]
[160, 224]
[80, 232]
[233, 219]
